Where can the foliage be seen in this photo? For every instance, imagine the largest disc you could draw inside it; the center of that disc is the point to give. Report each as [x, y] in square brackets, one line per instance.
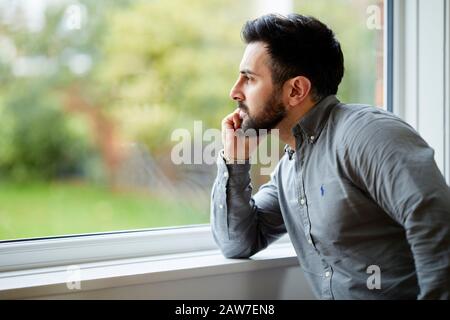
[348, 21]
[170, 63]
[37, 140]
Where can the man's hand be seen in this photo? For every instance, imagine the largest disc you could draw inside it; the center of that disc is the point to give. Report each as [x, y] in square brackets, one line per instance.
[237, 146]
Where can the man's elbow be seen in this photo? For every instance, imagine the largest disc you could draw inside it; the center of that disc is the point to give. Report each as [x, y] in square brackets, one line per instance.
[234, 253]
[234, 249]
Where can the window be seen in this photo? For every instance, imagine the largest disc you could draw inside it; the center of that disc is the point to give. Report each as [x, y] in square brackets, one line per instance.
[421, 52]
[92, 94]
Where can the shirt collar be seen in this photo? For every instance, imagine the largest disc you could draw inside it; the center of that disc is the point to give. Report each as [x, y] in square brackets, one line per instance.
[312, 123]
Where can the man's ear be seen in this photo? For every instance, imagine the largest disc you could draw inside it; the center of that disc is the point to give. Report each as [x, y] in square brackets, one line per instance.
[298, 89]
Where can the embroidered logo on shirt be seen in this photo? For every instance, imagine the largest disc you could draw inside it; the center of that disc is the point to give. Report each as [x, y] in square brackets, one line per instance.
[322, 190]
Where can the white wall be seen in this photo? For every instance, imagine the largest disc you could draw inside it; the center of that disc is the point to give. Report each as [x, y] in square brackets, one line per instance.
[276, 283]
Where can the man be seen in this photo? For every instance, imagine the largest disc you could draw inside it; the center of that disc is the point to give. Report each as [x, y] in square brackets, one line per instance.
[357, 190]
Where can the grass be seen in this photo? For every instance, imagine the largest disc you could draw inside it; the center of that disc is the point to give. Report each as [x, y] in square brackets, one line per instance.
[39, 210]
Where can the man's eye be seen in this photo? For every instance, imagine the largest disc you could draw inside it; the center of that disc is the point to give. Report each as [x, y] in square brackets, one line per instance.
[247, 78]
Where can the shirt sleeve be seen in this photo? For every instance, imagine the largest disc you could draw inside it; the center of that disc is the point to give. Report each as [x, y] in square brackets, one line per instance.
[395, 166]
[242, 224]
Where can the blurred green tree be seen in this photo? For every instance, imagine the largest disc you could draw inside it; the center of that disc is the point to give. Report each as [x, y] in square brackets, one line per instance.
[37, 140]
[40, 137]
[361, 45]
[169, 63]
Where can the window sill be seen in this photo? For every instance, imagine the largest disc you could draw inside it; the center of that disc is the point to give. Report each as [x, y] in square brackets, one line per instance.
[124, 272]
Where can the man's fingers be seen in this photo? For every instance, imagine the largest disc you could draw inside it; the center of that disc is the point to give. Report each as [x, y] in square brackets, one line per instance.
[237, 120]
[227, 122]
[232, 121]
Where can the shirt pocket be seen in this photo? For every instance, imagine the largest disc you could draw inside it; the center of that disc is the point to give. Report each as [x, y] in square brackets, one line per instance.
[335, 209]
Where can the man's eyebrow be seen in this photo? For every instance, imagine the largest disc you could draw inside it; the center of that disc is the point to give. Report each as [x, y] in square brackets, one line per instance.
[247, 71]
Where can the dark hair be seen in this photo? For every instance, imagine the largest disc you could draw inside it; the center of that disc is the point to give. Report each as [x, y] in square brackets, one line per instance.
[299, 46]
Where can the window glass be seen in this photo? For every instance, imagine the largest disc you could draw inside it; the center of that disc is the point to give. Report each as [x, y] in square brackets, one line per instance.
[98, 97]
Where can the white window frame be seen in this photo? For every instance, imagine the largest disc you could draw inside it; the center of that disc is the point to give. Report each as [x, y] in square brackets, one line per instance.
[88, 248]
[421, 82]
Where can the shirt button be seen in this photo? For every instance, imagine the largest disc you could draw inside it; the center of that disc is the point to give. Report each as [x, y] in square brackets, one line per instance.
[220, 206]
[310, 241]
[225, 174]
[302, 201]
[312, 138]
[327, 274]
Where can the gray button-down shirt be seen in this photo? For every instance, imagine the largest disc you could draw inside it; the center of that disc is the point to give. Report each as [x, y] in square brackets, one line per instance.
[361, 193]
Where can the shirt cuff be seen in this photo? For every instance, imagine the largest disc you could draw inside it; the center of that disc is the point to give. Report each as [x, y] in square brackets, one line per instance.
[235, 172]
[240, 166]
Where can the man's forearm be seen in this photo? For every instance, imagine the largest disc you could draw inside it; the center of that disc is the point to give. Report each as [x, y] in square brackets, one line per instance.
[233, 220]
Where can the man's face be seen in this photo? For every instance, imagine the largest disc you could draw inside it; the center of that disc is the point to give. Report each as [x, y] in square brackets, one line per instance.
[260, 103]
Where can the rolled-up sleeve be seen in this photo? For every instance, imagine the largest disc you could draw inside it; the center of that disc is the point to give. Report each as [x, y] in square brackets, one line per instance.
[391, 162]
[242, 224]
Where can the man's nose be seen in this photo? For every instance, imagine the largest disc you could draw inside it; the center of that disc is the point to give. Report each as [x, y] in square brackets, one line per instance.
[236, 94]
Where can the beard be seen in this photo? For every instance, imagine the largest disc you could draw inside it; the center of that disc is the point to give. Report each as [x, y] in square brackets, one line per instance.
[271, 114]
